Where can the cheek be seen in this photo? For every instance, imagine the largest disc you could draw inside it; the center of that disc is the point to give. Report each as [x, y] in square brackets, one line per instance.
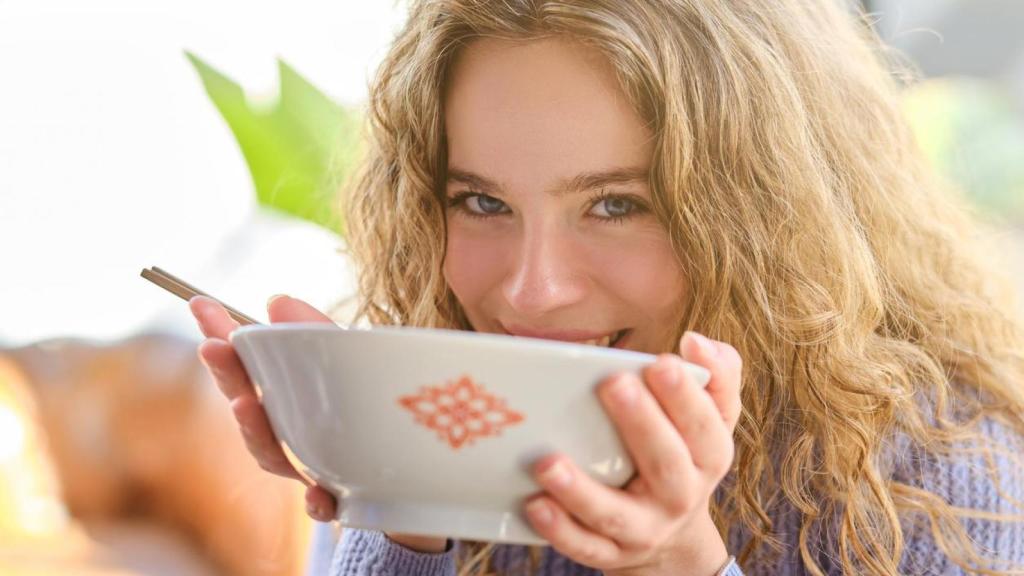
[641, 269]
[473, 265]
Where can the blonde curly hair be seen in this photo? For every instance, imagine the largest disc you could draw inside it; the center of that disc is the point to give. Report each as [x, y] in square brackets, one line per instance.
[851, 280]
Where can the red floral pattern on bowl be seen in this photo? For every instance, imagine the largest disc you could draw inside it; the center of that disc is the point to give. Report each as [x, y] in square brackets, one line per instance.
[460, 411]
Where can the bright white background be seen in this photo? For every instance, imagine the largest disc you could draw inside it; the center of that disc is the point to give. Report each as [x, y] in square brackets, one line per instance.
[112, 157]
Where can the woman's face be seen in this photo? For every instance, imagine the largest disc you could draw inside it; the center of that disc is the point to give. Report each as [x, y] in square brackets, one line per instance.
[551, 232]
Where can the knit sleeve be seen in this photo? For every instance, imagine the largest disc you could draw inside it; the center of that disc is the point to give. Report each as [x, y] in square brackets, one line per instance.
[733, 569]
[371, 553]
[963, 480]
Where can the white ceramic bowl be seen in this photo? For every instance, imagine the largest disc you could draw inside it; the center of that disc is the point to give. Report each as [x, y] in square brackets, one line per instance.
[435, 432]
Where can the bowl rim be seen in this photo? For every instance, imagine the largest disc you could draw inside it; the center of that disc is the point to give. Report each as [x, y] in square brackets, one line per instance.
[504, 340]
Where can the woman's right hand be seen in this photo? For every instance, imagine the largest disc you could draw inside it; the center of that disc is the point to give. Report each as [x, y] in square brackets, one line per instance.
[227, 370]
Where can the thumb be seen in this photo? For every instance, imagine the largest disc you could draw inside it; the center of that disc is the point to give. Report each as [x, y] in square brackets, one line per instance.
[283, 308]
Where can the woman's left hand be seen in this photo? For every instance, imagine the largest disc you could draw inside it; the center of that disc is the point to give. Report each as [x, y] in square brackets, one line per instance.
[679, 436]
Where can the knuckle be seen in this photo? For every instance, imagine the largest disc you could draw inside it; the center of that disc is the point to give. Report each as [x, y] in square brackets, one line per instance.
[246, 432]
[245, 428]
[698, 426]
[612, 525]
[667, 472]
[204, 349]
[645, 546]
[284, 468]
[259, 451]
[274, 465]
[678, 503]
[589, 555]
[223, 385]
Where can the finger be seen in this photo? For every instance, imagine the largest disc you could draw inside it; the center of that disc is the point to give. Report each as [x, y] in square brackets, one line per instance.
[283, 308]
[604, 510]
[213, 319]
[259, 437]
[726, 367]
[225, 367]
[693, 413]
[319, 504]
[659, 453]
[570, 538]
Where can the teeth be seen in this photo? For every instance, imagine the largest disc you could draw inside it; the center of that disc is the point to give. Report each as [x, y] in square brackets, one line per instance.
[603, 341]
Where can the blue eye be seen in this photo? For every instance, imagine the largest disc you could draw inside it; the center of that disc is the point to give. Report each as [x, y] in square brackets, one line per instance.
[477, 205]
[614, 207]
[484, 204]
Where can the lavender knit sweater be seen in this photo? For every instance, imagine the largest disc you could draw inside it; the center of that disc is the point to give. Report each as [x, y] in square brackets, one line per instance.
[960, 480]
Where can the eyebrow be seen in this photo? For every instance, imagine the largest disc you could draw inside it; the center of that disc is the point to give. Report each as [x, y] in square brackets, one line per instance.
[581, 182]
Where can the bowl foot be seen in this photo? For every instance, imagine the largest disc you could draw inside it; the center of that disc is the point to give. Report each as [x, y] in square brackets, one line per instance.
[444, 520]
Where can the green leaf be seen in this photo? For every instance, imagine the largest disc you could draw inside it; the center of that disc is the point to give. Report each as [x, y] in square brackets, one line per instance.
[298, 149]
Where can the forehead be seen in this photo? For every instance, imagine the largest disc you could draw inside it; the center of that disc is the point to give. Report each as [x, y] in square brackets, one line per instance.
[529, 113]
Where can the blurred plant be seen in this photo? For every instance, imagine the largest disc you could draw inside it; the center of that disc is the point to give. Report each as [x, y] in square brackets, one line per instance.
[302, 146]
[972, 132]
[299, 148]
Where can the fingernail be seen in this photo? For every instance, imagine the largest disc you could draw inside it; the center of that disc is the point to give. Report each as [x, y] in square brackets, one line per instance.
[275, 297]
[557, 475]
[705, 346]
[539, 511]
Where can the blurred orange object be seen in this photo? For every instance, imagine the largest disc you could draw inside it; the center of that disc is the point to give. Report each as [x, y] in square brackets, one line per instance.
[124, 459]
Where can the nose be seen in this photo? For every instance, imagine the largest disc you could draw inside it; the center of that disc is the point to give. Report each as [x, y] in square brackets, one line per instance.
[547, 273]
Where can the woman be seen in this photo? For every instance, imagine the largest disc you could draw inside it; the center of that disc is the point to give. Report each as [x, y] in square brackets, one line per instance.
[639, 170]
